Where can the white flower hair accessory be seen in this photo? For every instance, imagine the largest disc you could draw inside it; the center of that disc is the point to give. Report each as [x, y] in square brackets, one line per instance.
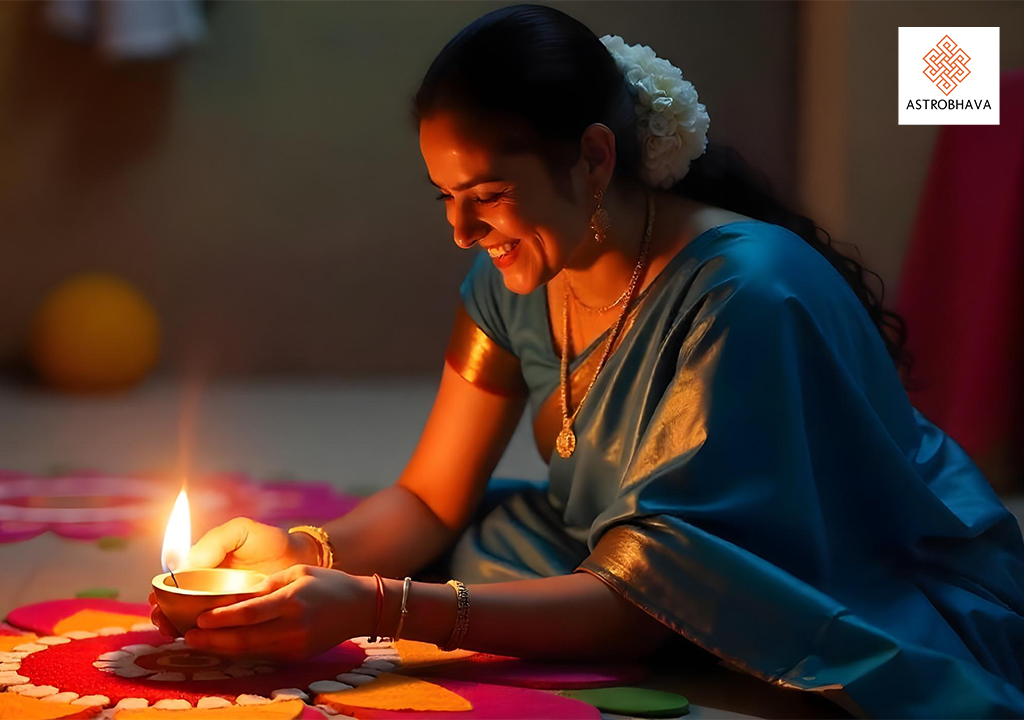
[671, 125]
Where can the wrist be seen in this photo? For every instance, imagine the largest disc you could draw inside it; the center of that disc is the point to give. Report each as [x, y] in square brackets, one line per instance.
[304, 548]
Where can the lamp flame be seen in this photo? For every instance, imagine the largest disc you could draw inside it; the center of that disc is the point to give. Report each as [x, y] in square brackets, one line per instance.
[178, 536]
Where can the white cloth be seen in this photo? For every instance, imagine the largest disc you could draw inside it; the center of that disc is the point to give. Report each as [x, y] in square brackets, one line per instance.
[129, 29]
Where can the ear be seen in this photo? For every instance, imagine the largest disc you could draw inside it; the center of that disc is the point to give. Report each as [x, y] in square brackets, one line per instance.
[597, 153]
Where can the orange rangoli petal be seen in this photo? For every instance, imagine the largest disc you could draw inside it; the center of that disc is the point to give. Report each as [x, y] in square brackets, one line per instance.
[419, 654]
[276, 710]
[94, 620]
[397, 692]
[18, 707]
[8, 642]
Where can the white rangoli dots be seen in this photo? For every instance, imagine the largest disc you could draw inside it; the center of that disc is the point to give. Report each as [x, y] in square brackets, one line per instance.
[9, 666]
[29, 648]
[327, 686]
[172, 704]
[8, 679]
[143, 627]
[53, 640]
[289, 693]
[112, 631]
[251, 700]
[368, 671]
[131, 704]
[353, 679]
[382, 665]
[92, 700]
[213, 702]
[36, 691]
[80, 634]
[114, 655]
[62, 697]
[140, 649]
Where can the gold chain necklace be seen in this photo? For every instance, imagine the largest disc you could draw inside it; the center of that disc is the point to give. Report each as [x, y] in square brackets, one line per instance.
[566, 442]
[591, 308]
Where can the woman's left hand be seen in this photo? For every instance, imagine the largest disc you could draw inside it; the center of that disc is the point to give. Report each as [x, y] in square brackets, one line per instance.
[300, 612]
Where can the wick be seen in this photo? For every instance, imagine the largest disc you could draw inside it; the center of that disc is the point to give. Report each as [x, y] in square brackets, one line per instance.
[175, 580]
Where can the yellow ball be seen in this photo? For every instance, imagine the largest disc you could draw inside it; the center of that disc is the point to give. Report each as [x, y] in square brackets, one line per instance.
[95, 333]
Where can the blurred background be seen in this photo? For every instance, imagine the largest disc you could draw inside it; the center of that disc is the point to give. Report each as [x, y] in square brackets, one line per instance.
[246, 178]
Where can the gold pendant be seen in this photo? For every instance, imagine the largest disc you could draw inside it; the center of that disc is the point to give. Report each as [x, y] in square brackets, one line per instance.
[566, 441]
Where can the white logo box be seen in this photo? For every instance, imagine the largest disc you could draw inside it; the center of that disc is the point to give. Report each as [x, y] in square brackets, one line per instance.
[948, 76]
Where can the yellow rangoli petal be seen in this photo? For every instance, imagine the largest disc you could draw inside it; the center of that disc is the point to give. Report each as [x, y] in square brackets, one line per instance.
[19, 707]
[94, 620]
[397, 692]
[276, 710]
[419, 654]
[7, 642]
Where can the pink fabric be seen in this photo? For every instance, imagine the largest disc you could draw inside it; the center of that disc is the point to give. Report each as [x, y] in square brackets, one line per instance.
[961, 287]
[121, 505]
[498, 670]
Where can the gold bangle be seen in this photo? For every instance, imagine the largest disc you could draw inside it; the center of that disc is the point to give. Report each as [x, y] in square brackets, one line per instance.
[461, 617]
[325, 550]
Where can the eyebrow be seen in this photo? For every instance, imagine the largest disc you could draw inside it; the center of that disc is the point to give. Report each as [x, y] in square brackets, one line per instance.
[468, 183]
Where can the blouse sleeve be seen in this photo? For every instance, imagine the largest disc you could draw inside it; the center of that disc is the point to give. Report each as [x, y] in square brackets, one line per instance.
[480, 348]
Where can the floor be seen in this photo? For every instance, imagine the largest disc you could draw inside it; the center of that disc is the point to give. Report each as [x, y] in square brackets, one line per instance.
[356, 434]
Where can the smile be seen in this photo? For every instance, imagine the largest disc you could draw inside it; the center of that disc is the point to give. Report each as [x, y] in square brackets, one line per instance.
[504, 255]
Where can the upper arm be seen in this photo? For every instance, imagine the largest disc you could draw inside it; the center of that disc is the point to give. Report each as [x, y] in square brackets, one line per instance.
[478, 405]
[463, 440]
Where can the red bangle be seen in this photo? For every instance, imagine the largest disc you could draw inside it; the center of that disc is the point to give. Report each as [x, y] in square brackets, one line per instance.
[380, 608]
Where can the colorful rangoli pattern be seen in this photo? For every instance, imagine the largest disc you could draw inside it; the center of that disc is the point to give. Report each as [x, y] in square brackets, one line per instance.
[79, 658]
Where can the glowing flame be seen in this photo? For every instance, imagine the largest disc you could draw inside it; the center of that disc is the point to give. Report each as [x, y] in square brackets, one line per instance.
[178, 536]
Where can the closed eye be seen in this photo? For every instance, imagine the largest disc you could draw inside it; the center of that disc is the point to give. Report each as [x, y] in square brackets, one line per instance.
[489, 200]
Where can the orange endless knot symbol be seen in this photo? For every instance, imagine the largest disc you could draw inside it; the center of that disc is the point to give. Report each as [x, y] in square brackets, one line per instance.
[947, 65]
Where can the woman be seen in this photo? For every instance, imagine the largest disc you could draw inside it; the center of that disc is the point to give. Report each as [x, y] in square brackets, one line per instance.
[733, 458]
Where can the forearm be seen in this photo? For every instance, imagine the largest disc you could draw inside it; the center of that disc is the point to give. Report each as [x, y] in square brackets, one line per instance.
[392, 532]
[568, 617]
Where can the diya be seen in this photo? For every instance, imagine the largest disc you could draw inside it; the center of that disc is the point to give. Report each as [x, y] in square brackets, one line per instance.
[184, 594]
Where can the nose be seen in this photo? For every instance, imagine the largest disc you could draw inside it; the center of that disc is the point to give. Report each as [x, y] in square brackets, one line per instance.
[468, 228]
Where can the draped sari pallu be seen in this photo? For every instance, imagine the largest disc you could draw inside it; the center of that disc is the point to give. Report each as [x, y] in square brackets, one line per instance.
[750, 472]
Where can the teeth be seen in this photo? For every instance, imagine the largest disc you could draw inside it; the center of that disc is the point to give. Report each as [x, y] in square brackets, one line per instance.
[497, 252]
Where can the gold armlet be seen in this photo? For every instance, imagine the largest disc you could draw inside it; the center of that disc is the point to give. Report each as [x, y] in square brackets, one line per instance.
[482, 361]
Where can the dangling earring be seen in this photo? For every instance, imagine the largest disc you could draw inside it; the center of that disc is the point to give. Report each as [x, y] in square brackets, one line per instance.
[599, 221]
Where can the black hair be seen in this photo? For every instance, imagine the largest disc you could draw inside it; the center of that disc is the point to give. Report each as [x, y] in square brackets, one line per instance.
[543, 77]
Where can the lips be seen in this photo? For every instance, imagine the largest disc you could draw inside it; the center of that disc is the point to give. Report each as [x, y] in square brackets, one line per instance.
[504, 255]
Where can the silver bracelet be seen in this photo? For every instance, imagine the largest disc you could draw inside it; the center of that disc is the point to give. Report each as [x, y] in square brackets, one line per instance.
[406, 584]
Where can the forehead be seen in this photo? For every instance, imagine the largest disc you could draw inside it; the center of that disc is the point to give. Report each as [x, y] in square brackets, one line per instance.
[456, 152]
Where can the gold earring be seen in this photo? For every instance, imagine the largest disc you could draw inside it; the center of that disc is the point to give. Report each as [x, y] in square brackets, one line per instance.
[599, 221]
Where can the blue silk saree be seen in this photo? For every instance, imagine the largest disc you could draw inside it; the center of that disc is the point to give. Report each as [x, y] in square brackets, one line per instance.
[750, 472]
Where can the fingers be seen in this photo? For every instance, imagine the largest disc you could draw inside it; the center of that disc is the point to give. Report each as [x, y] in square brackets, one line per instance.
[157, 617]
[274, 598]
[247, 612]
[216, 544]
[269, 638]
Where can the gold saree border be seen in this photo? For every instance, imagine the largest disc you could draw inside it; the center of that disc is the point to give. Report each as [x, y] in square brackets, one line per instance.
[548, 421]
[617, 560]
[482, 361]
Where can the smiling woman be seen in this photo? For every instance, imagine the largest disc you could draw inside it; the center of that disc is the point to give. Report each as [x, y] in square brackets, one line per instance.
[734, 464]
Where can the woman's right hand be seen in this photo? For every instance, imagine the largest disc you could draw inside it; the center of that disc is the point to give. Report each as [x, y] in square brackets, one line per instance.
[249, 545]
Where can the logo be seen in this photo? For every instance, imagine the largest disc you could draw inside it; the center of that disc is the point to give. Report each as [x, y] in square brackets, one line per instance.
[948, 76]
[947, 65]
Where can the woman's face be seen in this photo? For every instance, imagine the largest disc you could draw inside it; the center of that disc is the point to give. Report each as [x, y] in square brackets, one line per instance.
[501, 201]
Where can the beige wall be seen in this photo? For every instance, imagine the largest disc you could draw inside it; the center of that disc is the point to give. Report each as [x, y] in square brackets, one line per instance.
[266, 189]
